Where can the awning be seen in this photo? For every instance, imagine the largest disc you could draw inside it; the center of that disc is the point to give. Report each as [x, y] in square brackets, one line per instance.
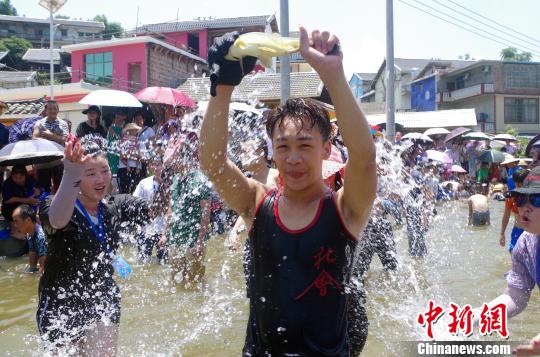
[434, 119]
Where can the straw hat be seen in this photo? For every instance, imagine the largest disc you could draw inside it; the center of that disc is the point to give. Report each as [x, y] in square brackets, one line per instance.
[131, 126]
[509, 159]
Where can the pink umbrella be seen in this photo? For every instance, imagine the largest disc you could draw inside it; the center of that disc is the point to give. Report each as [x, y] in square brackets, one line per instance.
[164, 95]
[438, 156]
[458, 169]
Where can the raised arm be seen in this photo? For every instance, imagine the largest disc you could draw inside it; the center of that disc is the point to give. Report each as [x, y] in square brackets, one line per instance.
[238, 191]
[504, 224]
[356, 197]
[63, 202]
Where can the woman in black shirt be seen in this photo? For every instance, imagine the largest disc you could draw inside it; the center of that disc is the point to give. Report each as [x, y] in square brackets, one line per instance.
[79, 301]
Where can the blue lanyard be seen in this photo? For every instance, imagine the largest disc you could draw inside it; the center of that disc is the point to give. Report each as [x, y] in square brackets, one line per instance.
[99, 233]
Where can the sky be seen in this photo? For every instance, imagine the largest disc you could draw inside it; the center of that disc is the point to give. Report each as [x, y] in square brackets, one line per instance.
[359, 24]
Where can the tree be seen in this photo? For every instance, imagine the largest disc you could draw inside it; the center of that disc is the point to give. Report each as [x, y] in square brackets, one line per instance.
[7, 9]
[17, 47]
[111, 28]
[62, 17]
[512, 54]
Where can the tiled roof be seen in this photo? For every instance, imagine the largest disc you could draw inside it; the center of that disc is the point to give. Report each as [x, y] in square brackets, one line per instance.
[41, 55]
[234, 22]
[26, 107]
[259, 86]
[435, 119]
[3, 54]
[16, 76]
[407, 64]
[78, 23]
[366, 76]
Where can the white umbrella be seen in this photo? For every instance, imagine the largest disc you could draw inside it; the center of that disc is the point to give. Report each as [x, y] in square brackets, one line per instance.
[417, 136]
[436, 131]
[505, 137]
[438, 156]
[111, 98]
[30, 152]
[476, 135]
[458, 169]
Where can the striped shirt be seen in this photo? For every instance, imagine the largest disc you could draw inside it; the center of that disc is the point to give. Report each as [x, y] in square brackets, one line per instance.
[57, 127]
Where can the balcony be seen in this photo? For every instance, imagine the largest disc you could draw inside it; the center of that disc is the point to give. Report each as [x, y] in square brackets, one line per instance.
[467, 92]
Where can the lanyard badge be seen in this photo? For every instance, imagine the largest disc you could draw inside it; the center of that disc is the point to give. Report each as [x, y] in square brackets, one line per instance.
[120, 265]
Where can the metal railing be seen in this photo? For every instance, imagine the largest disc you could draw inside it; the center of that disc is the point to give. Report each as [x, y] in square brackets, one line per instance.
[107, 82]
[466, 92]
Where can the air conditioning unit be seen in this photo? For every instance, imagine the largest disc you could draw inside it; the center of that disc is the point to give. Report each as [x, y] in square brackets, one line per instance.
[486, 69]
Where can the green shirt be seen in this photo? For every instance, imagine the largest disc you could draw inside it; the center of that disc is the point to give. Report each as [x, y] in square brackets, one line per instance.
[113, 156]
[186, 197]
[483, 174]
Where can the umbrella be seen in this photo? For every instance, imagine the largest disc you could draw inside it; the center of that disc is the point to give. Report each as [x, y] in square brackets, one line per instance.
[417, 136]
[438, 156]
[111, 98]
[475, 135]
[524, 162]
[30, 152]
[330, 168]
[458, 169]
[436, 131]
[535, 142]
[492, 156]
[505, 137]
[22, 129]
[165, 95]
[382, 126]
[375, 132]
[455, 133]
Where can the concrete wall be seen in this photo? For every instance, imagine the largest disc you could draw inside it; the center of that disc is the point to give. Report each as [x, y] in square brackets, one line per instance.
[481, 104]
[122, 56]
[180, 40]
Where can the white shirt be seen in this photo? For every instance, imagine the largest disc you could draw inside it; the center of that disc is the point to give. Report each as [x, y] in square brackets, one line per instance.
[147, 188]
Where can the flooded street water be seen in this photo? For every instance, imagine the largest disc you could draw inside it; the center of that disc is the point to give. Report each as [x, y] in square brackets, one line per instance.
[464, 265]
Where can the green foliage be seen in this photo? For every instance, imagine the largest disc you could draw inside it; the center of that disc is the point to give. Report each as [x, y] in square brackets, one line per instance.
[17, 46]
[62, 17]
[44, 79]
[111, 28]
[7, 9]
[522, 141]
[512, 54]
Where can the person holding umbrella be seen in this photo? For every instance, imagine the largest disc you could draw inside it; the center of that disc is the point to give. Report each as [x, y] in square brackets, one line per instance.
[92, 125]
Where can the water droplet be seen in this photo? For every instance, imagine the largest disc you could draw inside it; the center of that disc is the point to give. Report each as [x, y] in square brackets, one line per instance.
[263, 299]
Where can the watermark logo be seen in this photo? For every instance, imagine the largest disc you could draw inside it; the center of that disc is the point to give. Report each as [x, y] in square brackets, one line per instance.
[491, 319]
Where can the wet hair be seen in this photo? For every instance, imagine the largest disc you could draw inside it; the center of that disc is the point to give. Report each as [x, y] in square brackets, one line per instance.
[51, 102]
[25, 211]
[19, 169]
[519, 176]
[94, 145]
[302, 111]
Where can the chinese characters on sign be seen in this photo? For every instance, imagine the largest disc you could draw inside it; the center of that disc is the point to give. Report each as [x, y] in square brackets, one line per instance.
[491, 320]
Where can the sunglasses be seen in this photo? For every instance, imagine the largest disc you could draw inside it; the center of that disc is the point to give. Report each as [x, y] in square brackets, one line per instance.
[522, 199]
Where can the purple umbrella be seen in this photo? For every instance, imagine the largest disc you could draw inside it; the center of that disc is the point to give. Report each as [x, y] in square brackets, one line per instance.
[438, 156]
[455, 133]
[22, 129]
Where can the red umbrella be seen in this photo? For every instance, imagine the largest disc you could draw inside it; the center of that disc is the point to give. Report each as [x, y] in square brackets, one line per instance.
[164, 95]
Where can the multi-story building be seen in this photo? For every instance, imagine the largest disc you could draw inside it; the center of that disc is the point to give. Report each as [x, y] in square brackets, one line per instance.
[198, 35]
[406, 70]
[133, 63]
[503, 93]
[37, 30]
[360, 83]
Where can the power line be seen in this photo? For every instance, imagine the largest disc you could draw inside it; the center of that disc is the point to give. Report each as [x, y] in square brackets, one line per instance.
[477, 28]
[495, 22]
[457, 25]
[487, 24]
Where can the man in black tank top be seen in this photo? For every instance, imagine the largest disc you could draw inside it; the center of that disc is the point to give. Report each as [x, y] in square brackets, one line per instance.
[302, 237]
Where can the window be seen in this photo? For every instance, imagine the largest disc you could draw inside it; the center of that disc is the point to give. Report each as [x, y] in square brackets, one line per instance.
[63, 33]
[521, 76]
[193, 42]
[81, 34]
[98, 67]
[460, 82]
[39, 32]
[521, 110]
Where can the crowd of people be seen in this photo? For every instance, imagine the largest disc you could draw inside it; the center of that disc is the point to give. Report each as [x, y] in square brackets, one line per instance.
[312, 196]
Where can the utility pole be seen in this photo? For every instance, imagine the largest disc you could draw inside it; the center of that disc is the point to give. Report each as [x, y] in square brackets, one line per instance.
[391, 73]
[51, 52]
[285, 67]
